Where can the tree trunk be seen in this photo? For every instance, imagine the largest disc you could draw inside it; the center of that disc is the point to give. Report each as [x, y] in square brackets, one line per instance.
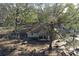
[51, 35]
[50, 43]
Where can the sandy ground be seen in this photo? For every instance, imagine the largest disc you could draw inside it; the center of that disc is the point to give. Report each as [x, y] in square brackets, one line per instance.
[20, 46]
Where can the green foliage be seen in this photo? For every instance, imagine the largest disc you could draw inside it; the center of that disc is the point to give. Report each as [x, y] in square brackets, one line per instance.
[56, 13]
[40, 13]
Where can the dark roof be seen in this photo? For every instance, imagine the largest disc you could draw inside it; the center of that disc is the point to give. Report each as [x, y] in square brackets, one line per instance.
[35, 28]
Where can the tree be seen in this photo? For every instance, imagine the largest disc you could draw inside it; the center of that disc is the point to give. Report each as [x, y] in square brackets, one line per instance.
[54, 12]
[51, 15]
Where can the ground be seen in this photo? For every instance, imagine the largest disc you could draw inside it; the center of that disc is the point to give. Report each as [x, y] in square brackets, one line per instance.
[18, 47]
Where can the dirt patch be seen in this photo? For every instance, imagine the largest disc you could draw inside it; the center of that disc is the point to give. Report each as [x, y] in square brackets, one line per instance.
[15, 48]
